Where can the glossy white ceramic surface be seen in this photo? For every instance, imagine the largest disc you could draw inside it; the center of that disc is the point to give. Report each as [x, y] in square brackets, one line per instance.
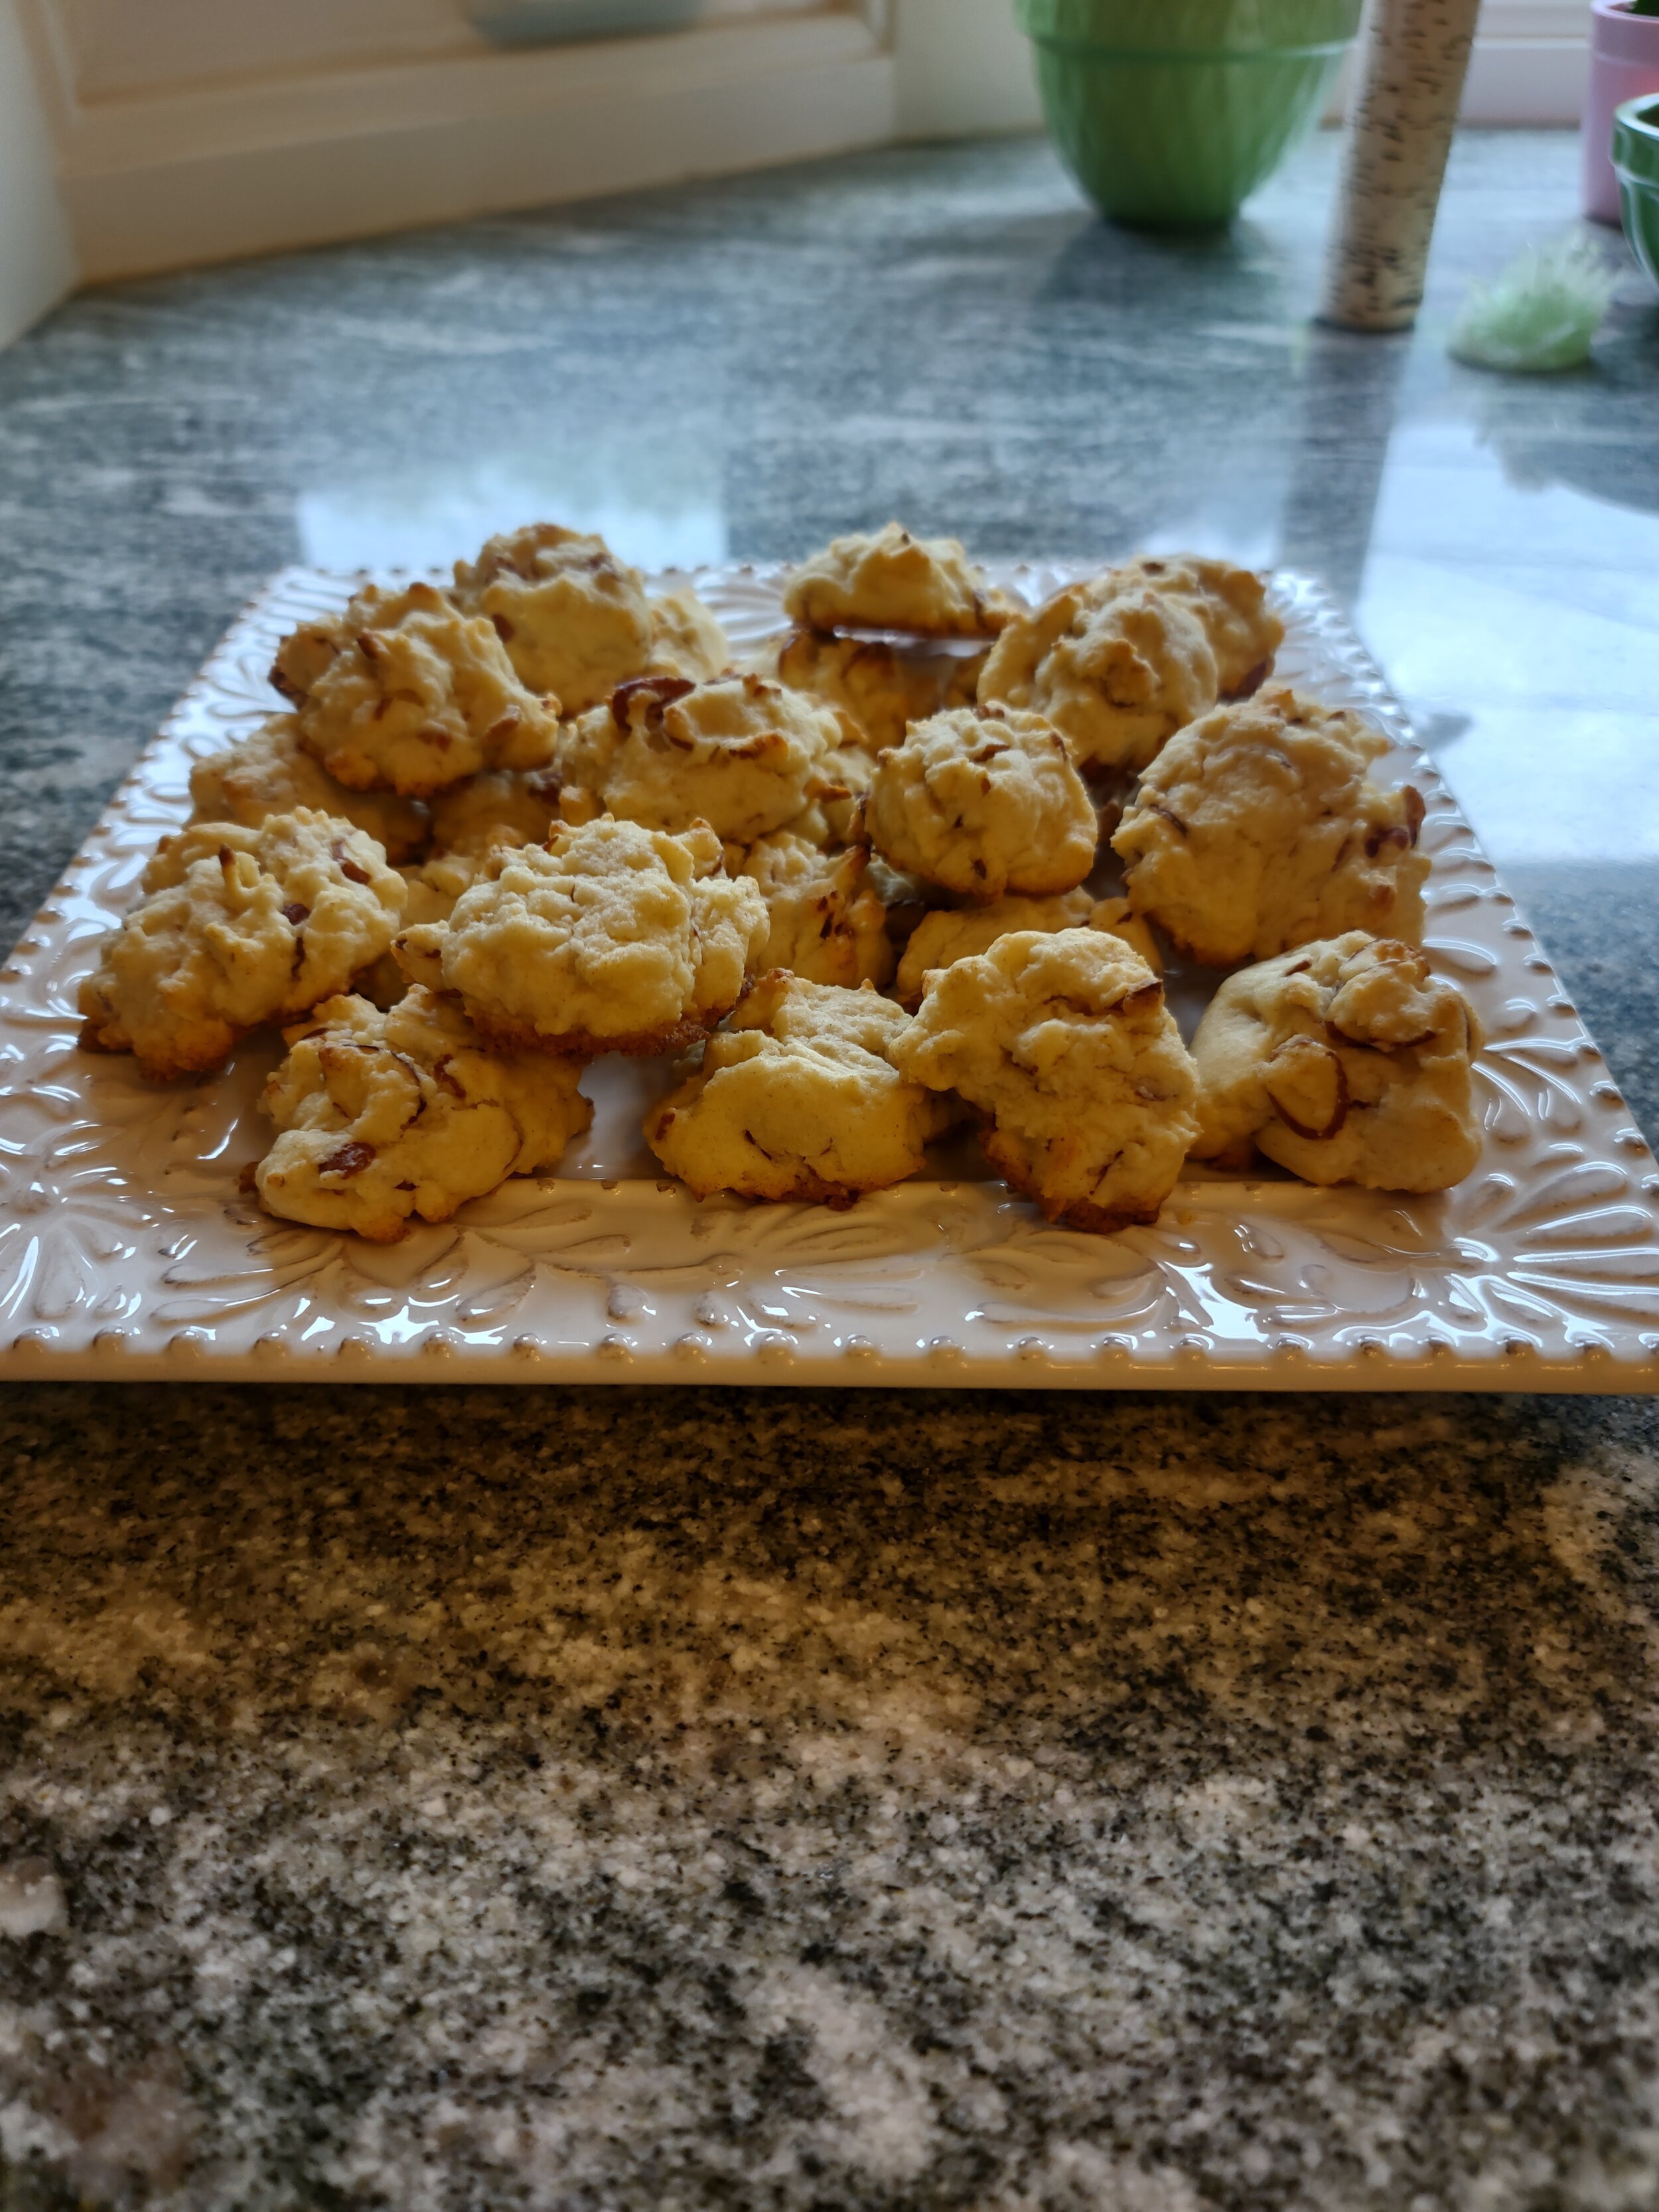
[126, 1248]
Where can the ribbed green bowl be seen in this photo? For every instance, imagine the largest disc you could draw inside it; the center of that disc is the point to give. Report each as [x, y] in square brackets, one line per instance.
[1636, 160]
[1170, 113]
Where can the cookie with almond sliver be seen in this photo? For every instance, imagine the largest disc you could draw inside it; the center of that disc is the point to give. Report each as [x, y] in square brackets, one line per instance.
[1123, 660]
[1346, 1060]
[877, 688]
[238, 927]
[828, 923]
[983, 801]
[1259, 827]
[739, 752]
[610, 937]
[383, 1117]
[575, 620]
[404, 692]
[798, 1097]
[888, 579]
[1063, 1044]
[951, 933]
[503, 806]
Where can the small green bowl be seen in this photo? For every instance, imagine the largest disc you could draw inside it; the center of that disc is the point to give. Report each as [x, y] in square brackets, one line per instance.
[1170, 113]
[1636, 160]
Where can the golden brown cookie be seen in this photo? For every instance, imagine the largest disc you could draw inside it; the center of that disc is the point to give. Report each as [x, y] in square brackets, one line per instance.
[382, 1116]
[983, 802]
[1122, 661]
[951, 933]
[888, 579]
[828, 924]
[798, 1098]
[738, 753]
[877, 688]
[238, 927]
[611, 938]
[401, 692]
[503, 806]
[1232, 603]
[1062, 1043]
[1345, 1060]
[1117, 671]
[1259, 827]
[574, 619]
[685, 638]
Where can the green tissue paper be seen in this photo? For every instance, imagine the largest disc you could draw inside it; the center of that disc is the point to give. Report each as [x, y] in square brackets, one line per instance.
[1540, 315]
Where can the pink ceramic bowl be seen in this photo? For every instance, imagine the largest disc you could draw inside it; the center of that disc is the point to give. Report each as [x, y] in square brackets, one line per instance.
[1624, 65]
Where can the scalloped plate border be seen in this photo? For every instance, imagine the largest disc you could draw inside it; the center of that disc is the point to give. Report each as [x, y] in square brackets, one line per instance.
[127, 1252]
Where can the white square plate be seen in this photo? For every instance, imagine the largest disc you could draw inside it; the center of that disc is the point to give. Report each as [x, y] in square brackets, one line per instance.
[127, 1250]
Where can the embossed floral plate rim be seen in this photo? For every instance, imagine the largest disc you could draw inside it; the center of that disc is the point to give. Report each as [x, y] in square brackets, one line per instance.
[127, 1250]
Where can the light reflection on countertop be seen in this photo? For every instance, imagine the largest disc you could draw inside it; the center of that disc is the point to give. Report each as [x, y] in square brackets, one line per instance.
[658, 509]
[1519, 625]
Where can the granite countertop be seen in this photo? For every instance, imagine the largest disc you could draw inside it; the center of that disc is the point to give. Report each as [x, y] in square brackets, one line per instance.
[595, 1799]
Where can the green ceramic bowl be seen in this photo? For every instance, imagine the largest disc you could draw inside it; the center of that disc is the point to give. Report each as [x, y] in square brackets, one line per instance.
[1636, 159]
[1170, 113]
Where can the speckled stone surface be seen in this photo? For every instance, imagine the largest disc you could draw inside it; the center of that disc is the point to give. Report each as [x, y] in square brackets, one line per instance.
[610, 1801]
[589, 1800]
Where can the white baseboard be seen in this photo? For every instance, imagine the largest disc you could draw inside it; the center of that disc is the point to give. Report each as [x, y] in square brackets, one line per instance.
[194, 177]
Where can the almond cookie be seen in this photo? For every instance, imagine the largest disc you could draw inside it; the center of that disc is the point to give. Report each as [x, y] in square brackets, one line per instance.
[574, 618]
[503, 806]
[877, 688]
[685, 639]
[383, 1115]
[402, 693]
[827, 924]
[983, 802]
[798, 1098]
[1123, 661]
[1243, 631]
[271, 773]
[611, 938]
[1062, 1043]
[1119, 670]
[738, 753]
[1346, 1061]
[1259, 829]
[889, 580]
[952, 934]
[237, 927]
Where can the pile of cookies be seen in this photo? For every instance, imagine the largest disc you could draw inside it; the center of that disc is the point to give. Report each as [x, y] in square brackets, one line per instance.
[855, 885]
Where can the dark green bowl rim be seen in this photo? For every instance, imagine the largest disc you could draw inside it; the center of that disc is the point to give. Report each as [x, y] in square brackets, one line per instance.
[1635, 139]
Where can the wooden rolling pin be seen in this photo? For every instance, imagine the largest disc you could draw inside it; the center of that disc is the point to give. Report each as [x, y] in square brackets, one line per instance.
[1411, 82]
